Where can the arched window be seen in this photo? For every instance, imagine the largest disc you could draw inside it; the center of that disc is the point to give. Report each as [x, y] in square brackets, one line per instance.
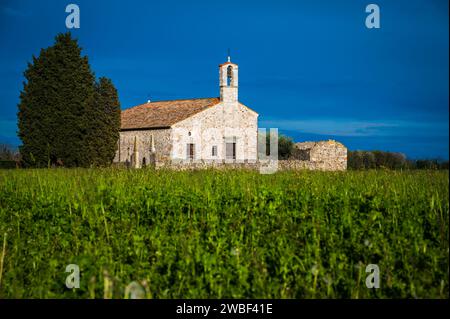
[229, 75]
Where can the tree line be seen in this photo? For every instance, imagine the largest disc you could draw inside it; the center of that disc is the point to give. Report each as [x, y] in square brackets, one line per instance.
[390, 160]
[66, 116]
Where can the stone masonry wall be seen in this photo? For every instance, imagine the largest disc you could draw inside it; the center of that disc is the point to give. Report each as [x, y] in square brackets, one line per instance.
[283, 165]
[162, 142]
[330, 155]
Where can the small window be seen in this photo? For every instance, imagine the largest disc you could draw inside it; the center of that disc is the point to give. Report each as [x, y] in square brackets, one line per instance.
[214, 150]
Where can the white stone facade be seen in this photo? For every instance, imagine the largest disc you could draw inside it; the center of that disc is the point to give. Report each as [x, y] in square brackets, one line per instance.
[226, 122]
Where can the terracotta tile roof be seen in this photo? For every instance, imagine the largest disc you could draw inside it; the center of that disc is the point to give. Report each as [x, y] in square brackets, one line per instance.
[162, 114]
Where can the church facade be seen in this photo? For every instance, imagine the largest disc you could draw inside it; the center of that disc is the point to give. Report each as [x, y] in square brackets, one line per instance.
[218, 129]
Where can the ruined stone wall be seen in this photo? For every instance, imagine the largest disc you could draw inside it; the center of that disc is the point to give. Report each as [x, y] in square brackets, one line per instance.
[330, 155]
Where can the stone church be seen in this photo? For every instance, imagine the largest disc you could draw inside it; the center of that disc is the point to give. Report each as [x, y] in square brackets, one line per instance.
[213, 129]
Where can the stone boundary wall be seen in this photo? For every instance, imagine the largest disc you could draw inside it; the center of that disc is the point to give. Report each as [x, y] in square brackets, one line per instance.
[282, 165]
[310, 165]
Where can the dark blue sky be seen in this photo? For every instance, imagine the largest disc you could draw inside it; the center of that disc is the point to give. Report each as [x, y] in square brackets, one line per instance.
[310, 68]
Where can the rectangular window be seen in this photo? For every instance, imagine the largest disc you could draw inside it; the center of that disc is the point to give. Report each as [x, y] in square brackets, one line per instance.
[190, 151]
[231, 151]
[214, 150]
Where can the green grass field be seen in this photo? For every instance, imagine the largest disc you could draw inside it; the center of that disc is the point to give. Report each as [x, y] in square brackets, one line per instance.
[229, 234]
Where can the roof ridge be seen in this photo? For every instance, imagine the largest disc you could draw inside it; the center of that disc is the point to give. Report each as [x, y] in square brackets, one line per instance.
[162, 101]
[189, 99]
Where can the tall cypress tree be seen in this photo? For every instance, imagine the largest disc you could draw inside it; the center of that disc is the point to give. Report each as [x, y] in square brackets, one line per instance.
[103, 133]
[59, 105]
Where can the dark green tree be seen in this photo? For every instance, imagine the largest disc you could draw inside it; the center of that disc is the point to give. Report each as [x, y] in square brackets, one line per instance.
[104, 127]
[285, 146]
[58, 91]
[59, 106]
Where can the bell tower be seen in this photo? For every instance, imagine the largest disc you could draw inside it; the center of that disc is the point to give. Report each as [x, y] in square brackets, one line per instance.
[228, 78]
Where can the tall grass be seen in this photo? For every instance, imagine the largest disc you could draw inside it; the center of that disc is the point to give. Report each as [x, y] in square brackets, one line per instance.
[228, 234]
